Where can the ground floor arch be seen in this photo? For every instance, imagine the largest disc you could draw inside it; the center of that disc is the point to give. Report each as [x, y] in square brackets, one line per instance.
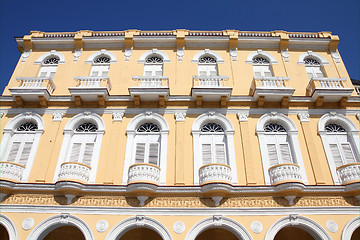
[7, 228]
[352, 229]
[65, 232]
[140, 234]
[216, 234]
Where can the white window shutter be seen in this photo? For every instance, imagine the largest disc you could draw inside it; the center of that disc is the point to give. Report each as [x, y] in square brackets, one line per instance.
[285, 153]
[336, 155]
[273, 158]
[206, 153]
[89, 148]
[348, 154]
[267, 71]
[140, 153]
[13, 151]
[75, 152]
[154, 153]
[25, 153]
[220, 153]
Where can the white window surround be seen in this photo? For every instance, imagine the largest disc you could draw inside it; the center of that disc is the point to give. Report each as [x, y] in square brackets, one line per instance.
[10, 132]
[154, 52]
[292, 131]
[154, 69]
[260, 53]
[317, 56]
[229, 141]
[352, 133]
[137, 121]
[262, 69]
[207, 52]
[41, 59]
[99, 53]
[9, 226]
[69, 132]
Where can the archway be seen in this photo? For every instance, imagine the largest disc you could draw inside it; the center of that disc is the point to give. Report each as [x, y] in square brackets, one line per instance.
[3, 233]
[140, 234]
[356, 234]
[216, 234]
[65, 232]
[293, 233]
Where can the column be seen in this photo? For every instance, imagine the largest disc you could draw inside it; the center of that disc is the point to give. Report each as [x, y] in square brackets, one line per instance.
[179, 148]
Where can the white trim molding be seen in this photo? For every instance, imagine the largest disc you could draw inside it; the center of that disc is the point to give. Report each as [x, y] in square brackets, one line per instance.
[9, 226]
[320, 58]
[207, 52]
[139, 221]
[101, 52]
[218, 221]
[350, 228]
[154, 52]
[304, 223]
[259, 52]
[51, 53]
[64, 219]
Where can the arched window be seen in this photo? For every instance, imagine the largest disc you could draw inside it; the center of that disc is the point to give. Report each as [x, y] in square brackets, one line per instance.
[100, 66]
[147, 141]
[49, 66]
[153, 66]
[313, 67]
[213, 144]
[207, 66]
[262, 67]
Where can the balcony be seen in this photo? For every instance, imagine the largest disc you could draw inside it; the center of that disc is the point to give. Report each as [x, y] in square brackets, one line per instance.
[11, 171]
[211, 88]
[349, 173]
[74, 171]
[144, 173]
[283, 173]
[33, 88]
[328, 89]
[215, 173]
[150, 88]
[271, 89]
[91, 89]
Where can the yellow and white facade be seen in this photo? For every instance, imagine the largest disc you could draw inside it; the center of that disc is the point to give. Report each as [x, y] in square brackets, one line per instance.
[179, 135]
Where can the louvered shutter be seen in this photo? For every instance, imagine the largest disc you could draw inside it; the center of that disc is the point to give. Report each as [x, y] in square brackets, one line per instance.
[273, 157]
[206, 154]
[348, 154]
[140, 153]
[220, 153]
[25, 153]
[257, 71]
[267, 71]
[158, 70]
[153, 153]
[75, 152]
[88, 152]
[285, 153]
[336, 155]
[309, 71]
[13, 151]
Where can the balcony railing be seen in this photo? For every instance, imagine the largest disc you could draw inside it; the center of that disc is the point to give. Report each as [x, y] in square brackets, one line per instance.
[144, 173]
[287, 172]
[74, 171]
[325, 83]
[215, 172]
[11, 170]
[36, 83]
[271, 82]
[210, 81]
[349, 173]
[151, 81]
[93, 82]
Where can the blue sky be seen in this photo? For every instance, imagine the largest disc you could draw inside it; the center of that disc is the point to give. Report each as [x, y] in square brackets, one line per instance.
[18, 18]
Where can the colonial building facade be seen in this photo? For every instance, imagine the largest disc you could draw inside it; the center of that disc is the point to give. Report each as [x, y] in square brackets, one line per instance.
[179, 135]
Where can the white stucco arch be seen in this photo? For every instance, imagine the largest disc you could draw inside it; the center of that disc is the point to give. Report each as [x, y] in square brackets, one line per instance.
[154, 51]
[49, 224]
[350, 228]
[131, 133]
[337, 118]
[207, 52]
[102, 52]
[138, 222]
[278, 118]
[261, 53]
[304, 223]
[51, 53]
[85, 117]
[219, 222]
[25, 117]
[212, 117]
[317, 56]
[9, 226]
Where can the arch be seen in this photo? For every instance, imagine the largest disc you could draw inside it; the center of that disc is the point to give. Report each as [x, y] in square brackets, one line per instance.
[337, 118]
[154, 52]
[25, 117]
[218, 222]
[51, 53]
[102, 52]
[49, 224]
[138, 221]
[350, 228]
[304, 223]
[261, 53]
[278, 118]
[146, 117]
[9, 226]
[317, 56]
[209, 52]
[212, 117]
[85, 117]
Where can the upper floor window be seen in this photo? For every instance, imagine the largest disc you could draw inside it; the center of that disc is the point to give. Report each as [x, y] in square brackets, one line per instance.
[49, 67]
[147, 144]
[313, 67]
[262, 67]
[213, 144]
[153, 66]
[100, 66]
[207, 66]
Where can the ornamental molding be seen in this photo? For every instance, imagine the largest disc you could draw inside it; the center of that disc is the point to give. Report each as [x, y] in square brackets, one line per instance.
[317, 56]
[256, 227]
[179, 227]
[180, 54]
[303, 117]
[102, 226]
[350, 227]
[28, 223]
[61, 57]
[9, 226]
[180, 116]
[336, 56]
[285, 54]
[118, 116]
[233, 54]
[332, 226]
[99, 53]
[2, 114]
[77, 54]
[243, 116]
[57, 116]
[25, 56]
[154, 51]
[358, 116]
[207, 52]
[261, 53]
[127, 54]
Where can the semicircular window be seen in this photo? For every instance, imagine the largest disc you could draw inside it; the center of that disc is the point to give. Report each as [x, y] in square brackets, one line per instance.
[51, 61]
[260, 60]
[27, 127]
[274, 127]
[148, 127]
[311, 61]
[332, 127]
[207, 59]
[211, 127]
[102, 59]
[154, 59]
[86, 127]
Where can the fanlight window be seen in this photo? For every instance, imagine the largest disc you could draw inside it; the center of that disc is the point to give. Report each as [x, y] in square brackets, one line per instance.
[147, 144]
[100, 67]
[261, 67]
[313, 68]
[86, 127]
[49, 67]
[211, 127]
[102, 59]
[213, 146]
[334, 128]
[274, 127]
[28, 126]
[51, 61]
[207, 66]
[153, 66]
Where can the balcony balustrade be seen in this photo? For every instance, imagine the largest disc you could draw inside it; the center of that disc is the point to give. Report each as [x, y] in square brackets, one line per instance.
[150, 88]
[144, 173]
[349, 173]
[287, 172]
[211, 88]
[12, 171]
[31, 88]
[215, 173]
[74, 171]
[90, 88]
[271, 89]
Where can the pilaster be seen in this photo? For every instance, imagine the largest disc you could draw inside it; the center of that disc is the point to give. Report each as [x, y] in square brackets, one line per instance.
[180, 148]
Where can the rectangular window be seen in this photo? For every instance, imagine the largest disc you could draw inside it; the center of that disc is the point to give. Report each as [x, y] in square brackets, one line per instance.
[140, 153]
[206, 154]
[220, 153]
[336, 155]
[153, 153]
[273, 157]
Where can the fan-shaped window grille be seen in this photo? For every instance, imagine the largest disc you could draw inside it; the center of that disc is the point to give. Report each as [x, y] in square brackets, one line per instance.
[86, 127]
[102, 59]
[51, 61]
[154, 60]
[27, 127]
[274, 127]
[207, 59]
[211, 127]
[260, 60]
[311, 61]
[148, 127]
[313, 68]
[261, 67]
[334, 128]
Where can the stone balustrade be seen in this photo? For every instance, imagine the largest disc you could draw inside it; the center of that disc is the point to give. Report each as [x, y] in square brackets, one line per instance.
[271, 82]
[286, 172]
[12, 171]
[37, 83]
[214, 172]
[74, 171]
[210, 81]
[152, 81]
[325, 83]
[144, 173]
[349, 173]
[93, 82]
